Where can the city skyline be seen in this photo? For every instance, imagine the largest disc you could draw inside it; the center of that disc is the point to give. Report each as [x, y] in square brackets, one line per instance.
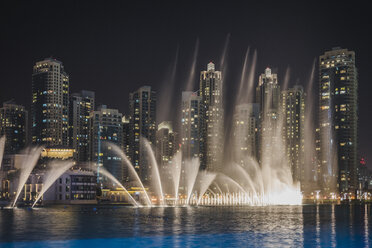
[276, 126]
[117, 54]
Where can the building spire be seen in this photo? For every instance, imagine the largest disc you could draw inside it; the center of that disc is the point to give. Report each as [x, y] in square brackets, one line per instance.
[210, 66]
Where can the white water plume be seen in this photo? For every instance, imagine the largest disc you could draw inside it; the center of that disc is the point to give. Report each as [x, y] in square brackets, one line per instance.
[54, 171]
[29, 159]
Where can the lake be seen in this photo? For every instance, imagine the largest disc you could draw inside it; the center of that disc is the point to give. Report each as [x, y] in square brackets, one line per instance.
[120, 226]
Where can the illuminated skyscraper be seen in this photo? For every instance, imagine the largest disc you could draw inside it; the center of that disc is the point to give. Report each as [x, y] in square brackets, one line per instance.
[293, 110]
[106, 128]
[212, 122]
[191, 125]
[142, 104]
[245, 131]
[338, 107]
[81, 105]
[268, 96]
[50, 103]
[126, 145]
[165, 147]
[13, 124]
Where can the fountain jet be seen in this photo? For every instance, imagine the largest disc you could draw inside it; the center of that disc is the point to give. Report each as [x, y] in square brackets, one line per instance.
[191, 169]
[155, 171]
[176, 173]
[29, 160]
[55, 170]
[190, 81]
[2, 147]
[107, 174]
[132, 170]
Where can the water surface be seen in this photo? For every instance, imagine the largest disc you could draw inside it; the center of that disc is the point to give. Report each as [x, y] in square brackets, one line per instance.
[115, 226]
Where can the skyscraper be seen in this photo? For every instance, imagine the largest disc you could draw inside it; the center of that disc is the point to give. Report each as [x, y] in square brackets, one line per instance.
[50, 100]
[165, 147]
[293, 110]
[106, 128]
[13, 124]
[338, 106]
[142, 104]
[191, 125]
[81, 105]
[212, 122]
[268, 96]
[126, 145]
[245, 131]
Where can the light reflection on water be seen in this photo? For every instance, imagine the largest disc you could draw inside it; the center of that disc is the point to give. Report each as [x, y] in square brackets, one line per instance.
[270, 226]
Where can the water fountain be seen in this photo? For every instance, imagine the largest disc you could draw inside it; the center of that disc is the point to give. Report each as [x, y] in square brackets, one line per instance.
[28, 161]
[132, 171]
[107, 174]
[54, 171]
[2, 147]
[156, 180]
[176, 174]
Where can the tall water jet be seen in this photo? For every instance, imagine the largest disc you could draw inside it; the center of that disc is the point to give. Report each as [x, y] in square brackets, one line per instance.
[205, 180]
[176, 173]
[224, 53]
[107, 174]
[165, 100]
[54, 171]
[155, 171]
[191, 169]
[2, 147]
[190, 81]
[243, 79]
[131, 168]
[228, 180]
[252, 73]
[310, 156]
[245, 178]
[287, 77]
[29, 160]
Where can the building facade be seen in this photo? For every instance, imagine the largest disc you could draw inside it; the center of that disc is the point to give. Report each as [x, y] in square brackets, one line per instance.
[14, 125]
[81, 105]
[212, 121]
[50, 103]
[191, 125]
[293, 111]
[106, 129]
[338, 117]
[142, 104]
[245, 132]
[165, 147]
[126, 145]
[268, 97]
[73, 187]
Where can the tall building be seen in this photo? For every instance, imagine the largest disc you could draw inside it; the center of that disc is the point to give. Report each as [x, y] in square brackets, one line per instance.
[126, 144]
[245, 131]
[81, 105]
[50, 100]
[165, 147]
[212, 122]
[191, 125]
[106, 128]
[268, 96]
[317, 160]
[142, 104]
[293, 110]
[338, 107]
[13, 124]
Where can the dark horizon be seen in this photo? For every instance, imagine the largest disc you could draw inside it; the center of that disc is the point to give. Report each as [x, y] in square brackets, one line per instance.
[114, 47]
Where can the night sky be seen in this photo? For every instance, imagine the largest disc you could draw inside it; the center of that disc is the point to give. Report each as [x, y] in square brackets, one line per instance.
[114, 47]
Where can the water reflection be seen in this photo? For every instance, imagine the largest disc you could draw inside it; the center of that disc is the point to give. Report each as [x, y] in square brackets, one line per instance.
[271, 226]
[366, 225]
